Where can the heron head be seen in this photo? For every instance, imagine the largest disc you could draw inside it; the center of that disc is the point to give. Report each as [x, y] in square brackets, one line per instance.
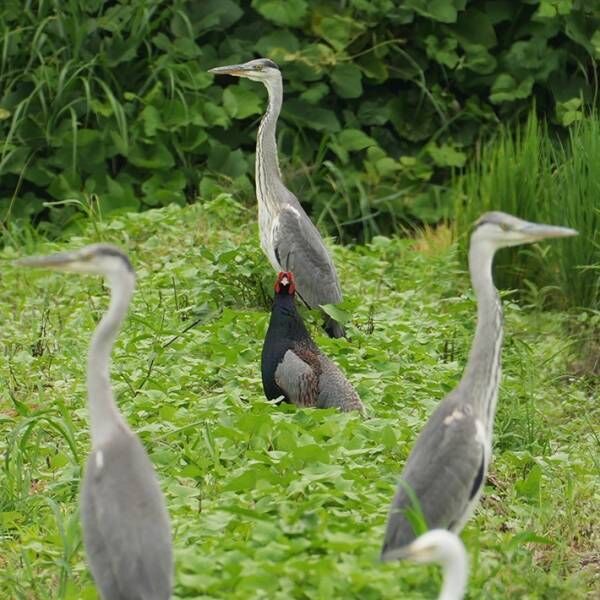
[260, 69]
[435, 546]
[502, 230]
[95, 259]
[285, 283]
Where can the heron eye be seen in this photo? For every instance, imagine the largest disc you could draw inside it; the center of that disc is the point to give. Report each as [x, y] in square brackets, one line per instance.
[504, 227]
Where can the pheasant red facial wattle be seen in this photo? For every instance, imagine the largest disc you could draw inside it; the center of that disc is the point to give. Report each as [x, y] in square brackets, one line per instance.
[285, 280]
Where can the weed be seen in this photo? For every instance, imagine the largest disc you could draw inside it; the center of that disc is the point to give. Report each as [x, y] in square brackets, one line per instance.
[271, 501]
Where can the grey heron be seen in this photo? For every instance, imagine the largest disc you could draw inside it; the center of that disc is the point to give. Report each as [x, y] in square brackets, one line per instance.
[288, 237]
[446, 469]
[293, 366]
[126, 529]
[445, 548]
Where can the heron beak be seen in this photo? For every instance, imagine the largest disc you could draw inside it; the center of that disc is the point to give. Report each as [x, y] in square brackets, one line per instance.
[235, 70]
[61, 261]
[537, 231]
[408, 553]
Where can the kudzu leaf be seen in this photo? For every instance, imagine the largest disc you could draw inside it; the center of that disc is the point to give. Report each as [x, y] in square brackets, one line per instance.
[446, 156]
[474, 27]
[438, 10]
[505, 88]
[530, 486]
[341, 316]
[315, 93]
[290, 12]
[338, 30]
[276, 40]
[354, 139]
[347, 80]
[320, 119]
[241, 102]
[151, 156]
[151, 119]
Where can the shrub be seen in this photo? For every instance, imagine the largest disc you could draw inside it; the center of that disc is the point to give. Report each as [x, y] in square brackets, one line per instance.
[109, 103]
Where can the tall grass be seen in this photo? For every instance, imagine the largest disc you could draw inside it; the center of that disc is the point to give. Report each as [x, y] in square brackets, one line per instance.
[537, 176]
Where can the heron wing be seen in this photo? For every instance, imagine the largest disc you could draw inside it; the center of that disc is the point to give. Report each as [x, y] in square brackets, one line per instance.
[125, 523]
[299, 248]
[297, 380]
[445, 470]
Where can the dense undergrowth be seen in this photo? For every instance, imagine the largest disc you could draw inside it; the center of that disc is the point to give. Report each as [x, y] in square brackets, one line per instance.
[110, 102]
[270, 501]
[533, 174]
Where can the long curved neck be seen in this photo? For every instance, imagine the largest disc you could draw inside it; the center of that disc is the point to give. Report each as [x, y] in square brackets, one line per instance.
[267, 172]
[455, 574]
[105, 417]
[481, 378]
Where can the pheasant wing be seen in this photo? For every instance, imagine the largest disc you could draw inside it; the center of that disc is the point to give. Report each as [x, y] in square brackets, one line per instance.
[297, 380]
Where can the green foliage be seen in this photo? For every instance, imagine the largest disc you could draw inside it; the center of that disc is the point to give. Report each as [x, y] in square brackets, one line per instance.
[271, 501]
[535, 175]
[110, 103]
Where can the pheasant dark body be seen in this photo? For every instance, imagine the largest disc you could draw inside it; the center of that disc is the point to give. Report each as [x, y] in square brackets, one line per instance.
[293, 366]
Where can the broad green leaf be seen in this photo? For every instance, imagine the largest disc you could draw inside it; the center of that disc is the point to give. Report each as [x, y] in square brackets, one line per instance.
[151, 119]
[151, 156]
[227, 162]
[354, 139]
[347, 80]
[443, 52]
[204, 16]
[313, 117]
[290, 12]
[444, 11]
[341, 316]
[338, 30]
[530, 486]
[474, 27]
[445, 155]
[278, 40]
[505, 88]
[315, 93]
[241, 102]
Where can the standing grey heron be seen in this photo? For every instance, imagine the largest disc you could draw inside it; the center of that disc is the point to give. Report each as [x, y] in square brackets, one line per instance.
[126, 529]
[287, 235]
[445, 472]
[445, 548]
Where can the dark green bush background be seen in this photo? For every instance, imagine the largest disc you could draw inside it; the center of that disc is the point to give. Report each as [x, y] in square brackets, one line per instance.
[110, 104]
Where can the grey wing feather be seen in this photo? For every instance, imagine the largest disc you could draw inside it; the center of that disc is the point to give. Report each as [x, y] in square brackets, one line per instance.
[297, 380]
[300, 249]
[335, 390]
[441, 471]
[126, 528]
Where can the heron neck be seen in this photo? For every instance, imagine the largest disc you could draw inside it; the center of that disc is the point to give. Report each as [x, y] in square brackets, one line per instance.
[267, 172]
[105, 417]
[481, 379]
[455, 573]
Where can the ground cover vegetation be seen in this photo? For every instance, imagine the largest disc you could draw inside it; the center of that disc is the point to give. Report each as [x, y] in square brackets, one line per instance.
[271, 501]
[109, 103]
[529, 174]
